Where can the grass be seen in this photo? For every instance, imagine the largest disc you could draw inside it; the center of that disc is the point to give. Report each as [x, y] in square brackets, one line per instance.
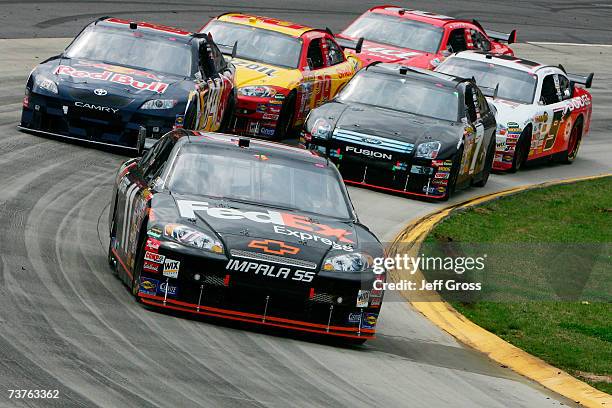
[547, 282]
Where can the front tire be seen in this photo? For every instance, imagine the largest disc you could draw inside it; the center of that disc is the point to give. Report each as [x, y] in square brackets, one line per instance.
[454, 176]
[488, 164]
[285, 119]
[521, 151]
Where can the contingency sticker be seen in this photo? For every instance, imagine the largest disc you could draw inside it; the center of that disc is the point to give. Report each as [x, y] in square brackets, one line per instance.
[171, 268]
[363, 296]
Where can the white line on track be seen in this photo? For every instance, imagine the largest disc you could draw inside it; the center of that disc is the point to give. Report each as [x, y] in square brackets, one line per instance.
[568, 44]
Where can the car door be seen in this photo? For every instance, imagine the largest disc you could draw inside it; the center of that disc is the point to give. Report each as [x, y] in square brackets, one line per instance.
[475, 139]
[549, 115]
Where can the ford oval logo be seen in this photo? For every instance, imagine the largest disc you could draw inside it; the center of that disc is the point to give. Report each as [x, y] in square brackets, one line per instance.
[100, 92]
[371, 141]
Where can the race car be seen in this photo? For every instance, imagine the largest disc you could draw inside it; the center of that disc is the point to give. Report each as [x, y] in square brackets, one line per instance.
[419, 38]
[542, 111]
[127, 83]
[246, 230]
[283, 71]
[406, 130]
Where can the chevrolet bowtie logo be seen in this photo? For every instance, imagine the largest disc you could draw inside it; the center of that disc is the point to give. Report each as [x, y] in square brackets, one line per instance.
[274, 247]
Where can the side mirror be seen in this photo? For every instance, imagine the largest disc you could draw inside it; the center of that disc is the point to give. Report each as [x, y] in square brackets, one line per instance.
[359, 45]
[446, 53]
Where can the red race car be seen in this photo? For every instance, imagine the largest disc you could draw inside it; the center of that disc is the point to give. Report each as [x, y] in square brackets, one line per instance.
[419, 38]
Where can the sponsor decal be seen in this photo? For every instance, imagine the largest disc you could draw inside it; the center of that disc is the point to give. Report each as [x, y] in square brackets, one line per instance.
[150, 267]
[172, 290]
[152, 244]
[153, 257]
[271, 271]
[437, 163]
[354, 317]
[100, 92]
[267, 131]
[279, 97]
[148, 286]
[440, 182]
[369, 320]
[270, 116]
[363, 297]
[179, 121]
[109, 76]
[305, 236]
[270, 246]
[429, 190]
[261, 157]
[261, 108]
[96, 107]
[390, 53]
[187, 209]
[444, 168]
[255, 67]
[369, 153]
[375, 301]
[442, 175]
[155, 232]
[171, 268]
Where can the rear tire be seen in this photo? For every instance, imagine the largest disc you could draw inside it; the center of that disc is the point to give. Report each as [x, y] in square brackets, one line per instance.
[521, 151]
[285, 119]
[574, 143]
[488, 165]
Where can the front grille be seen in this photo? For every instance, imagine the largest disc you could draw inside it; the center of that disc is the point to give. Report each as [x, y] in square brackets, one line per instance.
[273, 259]
[376, 142]
[214, 280]
[323, 298]
[87, 96]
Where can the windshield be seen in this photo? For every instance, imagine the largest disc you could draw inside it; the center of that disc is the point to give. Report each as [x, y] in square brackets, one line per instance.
[245, 176]
[403, 94]
[257, 44]
[134, 50]
[396, 31]
[514, 85]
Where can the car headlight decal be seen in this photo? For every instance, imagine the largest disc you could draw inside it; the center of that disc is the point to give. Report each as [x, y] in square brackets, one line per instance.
[321, 129]
[192, 237]
[258, 91]
[353, 262]
[428, 150]
[48, 85]
[159, 104]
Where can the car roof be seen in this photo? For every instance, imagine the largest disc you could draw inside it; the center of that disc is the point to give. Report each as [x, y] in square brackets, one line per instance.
[266, 23]
[418, 74]
[503, 60]
[149, 28]
[257, 146]
[418, 15]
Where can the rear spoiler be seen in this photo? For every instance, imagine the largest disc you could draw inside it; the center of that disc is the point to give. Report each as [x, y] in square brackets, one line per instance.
[508, 38]
[587, 81]
[350, 44]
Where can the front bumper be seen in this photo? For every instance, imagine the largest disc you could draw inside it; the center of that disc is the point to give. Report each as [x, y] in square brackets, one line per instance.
[203, 286]
[388, 166]
[256, 116]
[56, 116]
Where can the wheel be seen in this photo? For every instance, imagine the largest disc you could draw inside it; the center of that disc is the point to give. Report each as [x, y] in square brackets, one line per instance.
[521, 151]
[285, 119]
[488, 164]
[574, 143]
[454, 176]
[191, 114]
[227, 115]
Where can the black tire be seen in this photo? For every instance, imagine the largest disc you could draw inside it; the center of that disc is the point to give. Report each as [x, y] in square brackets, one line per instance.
[521, 151]
[488, 165]
[112, 262]
[138, 267]
[191, 114]
[574, 143]
[228, 115]
[285, 119]
[454, 176]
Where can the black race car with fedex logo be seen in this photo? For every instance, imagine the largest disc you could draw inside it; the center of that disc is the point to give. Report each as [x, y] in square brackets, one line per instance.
[406, 130]
[127, 83]
[246, 230]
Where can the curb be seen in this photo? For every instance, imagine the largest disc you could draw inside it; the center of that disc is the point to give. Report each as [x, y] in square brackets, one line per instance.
[443, 315]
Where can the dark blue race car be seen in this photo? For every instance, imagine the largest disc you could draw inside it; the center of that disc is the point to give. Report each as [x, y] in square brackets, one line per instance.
[126, 83]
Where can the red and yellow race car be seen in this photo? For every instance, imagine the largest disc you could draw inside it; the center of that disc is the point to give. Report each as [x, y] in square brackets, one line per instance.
[283, 70]
[419, 38]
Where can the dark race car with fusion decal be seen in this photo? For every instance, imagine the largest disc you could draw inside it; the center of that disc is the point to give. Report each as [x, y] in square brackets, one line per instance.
[406, 130]
[125, 83]
[245, 230]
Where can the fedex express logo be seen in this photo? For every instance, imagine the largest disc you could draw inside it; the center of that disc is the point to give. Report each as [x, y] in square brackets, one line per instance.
[123, 79]
[187, 209]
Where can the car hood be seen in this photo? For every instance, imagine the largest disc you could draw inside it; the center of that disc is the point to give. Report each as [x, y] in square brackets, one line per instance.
[114, 79]
[372, 51]
[509, 111]
[375, 121]
[257, 73]
[255, 228]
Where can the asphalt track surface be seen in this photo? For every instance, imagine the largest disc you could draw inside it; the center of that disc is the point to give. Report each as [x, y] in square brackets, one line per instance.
[66, 323]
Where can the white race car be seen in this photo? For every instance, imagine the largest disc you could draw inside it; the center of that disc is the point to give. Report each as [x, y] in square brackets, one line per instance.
[542, 113]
